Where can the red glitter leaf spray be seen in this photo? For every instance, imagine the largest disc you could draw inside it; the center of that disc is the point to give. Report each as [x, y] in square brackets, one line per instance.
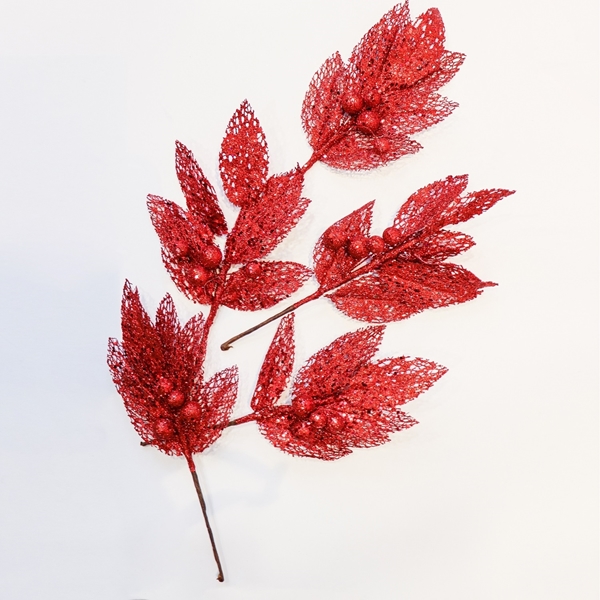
[357, 115]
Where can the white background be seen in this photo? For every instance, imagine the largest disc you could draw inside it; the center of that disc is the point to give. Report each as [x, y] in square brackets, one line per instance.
[493, 495]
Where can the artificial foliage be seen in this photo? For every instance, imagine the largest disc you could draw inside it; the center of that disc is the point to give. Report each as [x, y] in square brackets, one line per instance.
[357, 115]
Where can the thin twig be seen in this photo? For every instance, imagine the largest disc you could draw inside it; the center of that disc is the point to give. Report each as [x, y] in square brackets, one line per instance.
[358, 270]
[220, 576]
[227, 345]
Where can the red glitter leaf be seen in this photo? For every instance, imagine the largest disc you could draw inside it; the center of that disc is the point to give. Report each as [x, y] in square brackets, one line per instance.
[332, 367]
[277, 367]
[371, 55]
[263, 224]
[199, 193]
[473, 204]
[322, 112]
[158, 372]
[417, 54]
[443, 203]
[244, 159]
[331, 259]
[439, 246]
[425, 209]
[263, 284]
[381, 279]
[401, 289]
[359, 116]
[184, 240]
[342, 399]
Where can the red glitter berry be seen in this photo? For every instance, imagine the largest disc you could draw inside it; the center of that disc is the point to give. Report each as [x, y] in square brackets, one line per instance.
[382, 145]
[319, 418]
[211, 256]
[372, 98]
[164, 430]
[352, 103]
[175, 399]
[376, 244]
[368, 122]
[336, 422]
[181, 248]
[200, 274]
[303, 406]
[334, 240]
[253, 269]
[165, 385]
[191, 411]
[391, 236]
[358, 248]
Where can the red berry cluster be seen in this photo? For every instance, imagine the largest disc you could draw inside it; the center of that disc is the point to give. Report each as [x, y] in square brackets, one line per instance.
[363, 109]
[361, 246]
[201, 260]
[315, 417]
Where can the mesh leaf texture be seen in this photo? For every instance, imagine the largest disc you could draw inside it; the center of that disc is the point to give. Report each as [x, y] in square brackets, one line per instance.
[270, 208]
[361, 114]
[342, 398]
[244, 158]
[332, 261]
[200, 195]
[262, 284]
[382, 279]
[184, 239]
[158, 370]
[262, 224]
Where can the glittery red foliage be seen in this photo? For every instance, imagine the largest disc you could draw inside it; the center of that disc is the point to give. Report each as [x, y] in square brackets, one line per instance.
[265, 221]
[158, 370]
[262, 284]
[393, 276]
[332, 259]
[277, 368]
[357, 115]
[244, 159]
[341, 399]
[270, 208]
[199, 194]
[360, 115]
[398, 290]
[187, 243]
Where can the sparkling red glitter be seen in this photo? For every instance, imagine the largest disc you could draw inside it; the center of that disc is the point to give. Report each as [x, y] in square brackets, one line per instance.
[332, 263]
[411, 276]
[244, 158]
[263, 223]
[341, 398]
[158, 370]
[360, 115]
[263, 284]
[184, 239]
[357, 115]
[199, 194]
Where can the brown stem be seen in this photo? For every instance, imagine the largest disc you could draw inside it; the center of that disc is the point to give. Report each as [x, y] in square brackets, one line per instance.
[220, 576]
[227, 345]
[241, 420]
